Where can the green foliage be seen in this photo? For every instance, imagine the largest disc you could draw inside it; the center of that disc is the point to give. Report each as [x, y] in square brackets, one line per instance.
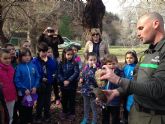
[65, 28]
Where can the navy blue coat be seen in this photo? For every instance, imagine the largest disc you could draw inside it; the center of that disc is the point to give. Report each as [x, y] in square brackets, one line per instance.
[68, 71]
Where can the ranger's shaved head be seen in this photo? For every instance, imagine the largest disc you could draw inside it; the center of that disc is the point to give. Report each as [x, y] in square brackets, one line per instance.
[154, 16]
[150, 28]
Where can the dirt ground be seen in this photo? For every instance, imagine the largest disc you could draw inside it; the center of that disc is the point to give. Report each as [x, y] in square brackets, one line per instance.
[55, 113]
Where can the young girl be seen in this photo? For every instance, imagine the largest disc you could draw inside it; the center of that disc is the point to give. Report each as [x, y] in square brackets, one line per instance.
[88, 79]
[12, 50]
[47, 69]
[76, 57]
[113, 107]
[68, 73]
[26, 80]
[130, 62]
[6, 80]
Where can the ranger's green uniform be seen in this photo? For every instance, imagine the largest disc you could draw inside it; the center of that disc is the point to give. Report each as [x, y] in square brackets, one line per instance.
[149, 89]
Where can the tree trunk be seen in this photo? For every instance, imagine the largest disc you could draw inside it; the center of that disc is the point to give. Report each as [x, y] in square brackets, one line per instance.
[3, 39]
[93, 15]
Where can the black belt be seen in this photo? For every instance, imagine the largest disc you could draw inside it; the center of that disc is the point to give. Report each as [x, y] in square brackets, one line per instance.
[147, 110]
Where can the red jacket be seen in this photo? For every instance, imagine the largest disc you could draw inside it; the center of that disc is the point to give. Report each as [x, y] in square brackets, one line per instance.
[6, 79]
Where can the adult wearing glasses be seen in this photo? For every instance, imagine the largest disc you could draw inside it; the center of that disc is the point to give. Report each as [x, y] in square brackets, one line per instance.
[53, 39]
[96, 45]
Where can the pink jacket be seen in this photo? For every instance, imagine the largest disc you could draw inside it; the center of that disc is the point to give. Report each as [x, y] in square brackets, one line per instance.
[6, 80]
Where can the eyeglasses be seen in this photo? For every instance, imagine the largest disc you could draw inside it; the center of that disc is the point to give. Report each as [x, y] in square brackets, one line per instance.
[50, 31]
[95, 34]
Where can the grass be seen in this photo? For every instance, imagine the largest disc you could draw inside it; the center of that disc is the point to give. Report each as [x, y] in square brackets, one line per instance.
[120, 51]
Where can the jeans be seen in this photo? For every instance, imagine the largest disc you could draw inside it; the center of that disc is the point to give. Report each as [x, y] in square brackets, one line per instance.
[68, 100]
[26, 115]
[89, 102]
[43, 102]
[115, 113]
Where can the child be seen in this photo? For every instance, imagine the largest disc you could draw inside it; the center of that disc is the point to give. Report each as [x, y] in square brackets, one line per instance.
[55, 83]
[25, 44]
[12, 50]
[68, 73]
[130, 62]
[76, 57]
[88, 81]
[14, 62]
[47, 69]
[113, 107]
[6, 80]
[26, 80]
[50, 53]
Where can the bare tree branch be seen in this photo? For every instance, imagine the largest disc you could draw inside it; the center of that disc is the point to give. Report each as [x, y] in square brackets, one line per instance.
[9, 7]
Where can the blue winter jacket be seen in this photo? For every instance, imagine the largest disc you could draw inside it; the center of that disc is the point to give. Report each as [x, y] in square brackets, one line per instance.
[68, 71]
[26, 77]
[128, 73]
[111, 86]
[51, 68]
[88, 76]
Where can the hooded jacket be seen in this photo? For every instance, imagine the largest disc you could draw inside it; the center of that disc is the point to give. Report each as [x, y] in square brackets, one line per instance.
[128, 73]
[6, 79]
[26, 77]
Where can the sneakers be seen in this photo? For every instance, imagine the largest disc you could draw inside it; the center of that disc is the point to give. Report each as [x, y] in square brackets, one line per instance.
[84, 121]
[93, 122]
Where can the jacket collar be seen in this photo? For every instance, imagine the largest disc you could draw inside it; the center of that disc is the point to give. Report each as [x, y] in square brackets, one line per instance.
[160, 45]
[5, 67]
[152, 48]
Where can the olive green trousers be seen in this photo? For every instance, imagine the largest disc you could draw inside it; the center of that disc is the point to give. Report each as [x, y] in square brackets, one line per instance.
[136, 117]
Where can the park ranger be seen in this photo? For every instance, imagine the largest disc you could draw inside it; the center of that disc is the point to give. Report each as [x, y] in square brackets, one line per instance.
[149, 88]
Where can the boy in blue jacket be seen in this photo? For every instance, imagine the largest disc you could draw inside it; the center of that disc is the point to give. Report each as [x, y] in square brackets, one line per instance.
[113, 107]
[47, 68]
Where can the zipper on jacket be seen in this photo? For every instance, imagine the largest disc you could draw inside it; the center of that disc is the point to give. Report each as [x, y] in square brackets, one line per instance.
[128, 72]
[29, 75]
